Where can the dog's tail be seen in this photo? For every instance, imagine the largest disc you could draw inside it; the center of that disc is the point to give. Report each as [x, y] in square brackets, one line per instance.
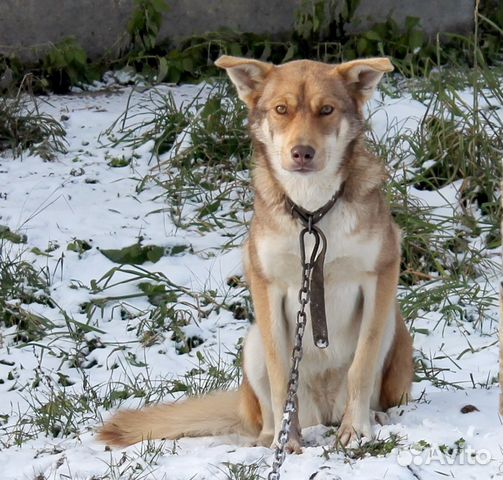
[214, 414]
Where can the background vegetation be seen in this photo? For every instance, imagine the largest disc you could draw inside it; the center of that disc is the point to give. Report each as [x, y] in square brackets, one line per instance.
[321, 32]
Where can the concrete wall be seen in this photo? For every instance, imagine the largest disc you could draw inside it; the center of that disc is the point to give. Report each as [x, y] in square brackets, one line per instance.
[27, 27]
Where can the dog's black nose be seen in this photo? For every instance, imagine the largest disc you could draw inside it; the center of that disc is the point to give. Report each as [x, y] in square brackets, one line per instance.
[303, 154]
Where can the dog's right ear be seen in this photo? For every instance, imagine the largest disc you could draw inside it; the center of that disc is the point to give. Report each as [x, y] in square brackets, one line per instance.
[247, 74]
[362, 76]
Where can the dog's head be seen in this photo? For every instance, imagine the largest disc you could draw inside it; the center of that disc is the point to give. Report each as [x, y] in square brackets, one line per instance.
[305, 113]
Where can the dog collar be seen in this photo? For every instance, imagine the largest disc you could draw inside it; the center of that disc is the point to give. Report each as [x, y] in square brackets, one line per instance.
[305, 216]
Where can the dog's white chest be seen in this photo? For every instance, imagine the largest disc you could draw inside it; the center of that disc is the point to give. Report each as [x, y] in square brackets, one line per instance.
[349, 253]
[349, 257]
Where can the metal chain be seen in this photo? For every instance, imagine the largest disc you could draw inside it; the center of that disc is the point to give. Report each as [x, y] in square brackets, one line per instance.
[293, 382]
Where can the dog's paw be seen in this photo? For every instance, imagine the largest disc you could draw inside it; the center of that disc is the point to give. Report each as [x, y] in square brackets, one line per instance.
[351, 432]
[293, 445]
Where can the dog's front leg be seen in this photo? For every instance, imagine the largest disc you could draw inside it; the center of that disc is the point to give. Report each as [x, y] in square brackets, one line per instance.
[268, 304]
[379, 291]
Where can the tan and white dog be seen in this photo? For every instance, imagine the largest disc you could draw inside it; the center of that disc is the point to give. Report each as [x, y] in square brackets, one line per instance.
[306, 121]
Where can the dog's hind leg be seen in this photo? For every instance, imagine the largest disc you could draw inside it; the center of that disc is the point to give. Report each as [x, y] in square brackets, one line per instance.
[398, 371]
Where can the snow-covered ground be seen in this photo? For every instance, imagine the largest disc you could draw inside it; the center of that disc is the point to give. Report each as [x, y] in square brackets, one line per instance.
[80, 197]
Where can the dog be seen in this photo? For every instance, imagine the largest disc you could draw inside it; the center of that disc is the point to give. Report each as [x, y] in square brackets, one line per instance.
[306, 121]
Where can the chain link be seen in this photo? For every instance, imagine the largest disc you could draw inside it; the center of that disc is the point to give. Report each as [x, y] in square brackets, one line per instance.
[291, 403]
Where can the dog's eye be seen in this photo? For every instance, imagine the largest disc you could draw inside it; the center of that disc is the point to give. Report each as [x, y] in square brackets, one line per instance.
[281, 109]
[326, 110]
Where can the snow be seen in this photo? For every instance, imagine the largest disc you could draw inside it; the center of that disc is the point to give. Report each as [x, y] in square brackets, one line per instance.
[78, 196]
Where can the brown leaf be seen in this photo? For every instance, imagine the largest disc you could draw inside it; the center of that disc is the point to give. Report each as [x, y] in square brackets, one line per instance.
[469, 409]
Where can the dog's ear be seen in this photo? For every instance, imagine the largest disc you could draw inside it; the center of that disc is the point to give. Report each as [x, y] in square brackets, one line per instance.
[247, 74]
[362, 76]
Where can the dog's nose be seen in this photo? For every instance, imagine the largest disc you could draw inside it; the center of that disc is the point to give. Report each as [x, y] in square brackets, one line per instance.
[303, 154]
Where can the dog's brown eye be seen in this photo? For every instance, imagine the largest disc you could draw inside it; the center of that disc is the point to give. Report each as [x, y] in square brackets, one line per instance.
[326, 110]
[281, 109]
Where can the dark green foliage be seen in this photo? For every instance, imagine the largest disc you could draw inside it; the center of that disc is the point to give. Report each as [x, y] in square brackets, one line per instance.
[325, 24]
[119, 162]
[135, 254]
[491, 28]
[7, 234]
[143, 28]
[145, 24]
[326, 30]
[158, 294]
[79, 246]
[410, 47]
[66, 64]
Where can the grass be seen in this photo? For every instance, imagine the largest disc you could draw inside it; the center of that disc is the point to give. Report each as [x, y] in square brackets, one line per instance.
[376, 447]
[24, 127]
[242, 471]
[21, 285]
[448, 254]
[202, 153]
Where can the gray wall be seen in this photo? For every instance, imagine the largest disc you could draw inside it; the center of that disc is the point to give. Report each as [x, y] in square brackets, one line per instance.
[27, 27]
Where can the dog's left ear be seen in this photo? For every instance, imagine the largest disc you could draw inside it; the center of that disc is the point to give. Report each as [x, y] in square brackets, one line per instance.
[247, 75]
[362, 76]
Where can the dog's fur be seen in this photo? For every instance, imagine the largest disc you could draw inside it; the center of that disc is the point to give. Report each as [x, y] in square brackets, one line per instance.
[367, 367]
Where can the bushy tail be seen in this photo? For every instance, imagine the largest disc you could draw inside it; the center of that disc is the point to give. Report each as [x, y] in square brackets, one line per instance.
[214, 414]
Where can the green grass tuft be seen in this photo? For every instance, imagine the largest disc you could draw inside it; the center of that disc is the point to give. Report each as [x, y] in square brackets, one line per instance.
[24, 127]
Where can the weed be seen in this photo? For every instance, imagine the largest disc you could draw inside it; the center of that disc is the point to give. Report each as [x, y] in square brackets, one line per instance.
[158, 119]
[456, 300]
[452, 156]
[119, 162]
[21, 284]
[134, 385]
[323, 21]
[458, 140]
[210, 184]
[143, 29]
[324, 30]
[56, 408]
[199, 146]
[79, 246]
[212, 373]
[242, 471]
[135, 254]
[7, 234]
[145, 23]
[23, 126]
[139, 464]
[376, 447]
[59, 413]
[66, 64]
